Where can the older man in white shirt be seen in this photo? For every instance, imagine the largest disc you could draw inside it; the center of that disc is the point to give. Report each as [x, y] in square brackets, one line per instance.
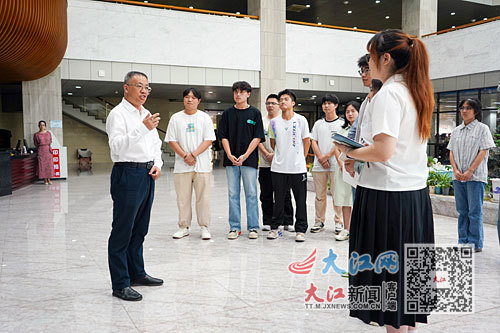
[136, 152]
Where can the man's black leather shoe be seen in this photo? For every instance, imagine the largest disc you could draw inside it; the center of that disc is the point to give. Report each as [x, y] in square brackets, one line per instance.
[127, 294]
[147, 281]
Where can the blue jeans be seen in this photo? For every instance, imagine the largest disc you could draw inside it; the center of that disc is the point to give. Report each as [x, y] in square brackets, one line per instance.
[469, 202]
[249, 177]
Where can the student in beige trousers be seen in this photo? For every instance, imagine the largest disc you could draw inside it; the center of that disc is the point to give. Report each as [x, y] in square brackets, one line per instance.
[190, 133]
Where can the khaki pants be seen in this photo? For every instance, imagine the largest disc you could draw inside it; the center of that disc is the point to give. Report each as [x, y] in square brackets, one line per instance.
[184, 183]
[320, 187]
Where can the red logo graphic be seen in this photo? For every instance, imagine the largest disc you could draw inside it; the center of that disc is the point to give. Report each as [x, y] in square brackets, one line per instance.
[305, 266]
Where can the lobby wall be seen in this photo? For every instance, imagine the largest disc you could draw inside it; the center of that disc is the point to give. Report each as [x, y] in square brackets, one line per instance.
[466, 51]
[78, 135]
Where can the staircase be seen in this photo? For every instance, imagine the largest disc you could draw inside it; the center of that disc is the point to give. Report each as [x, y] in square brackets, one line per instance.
[93, 113]
[78, 113]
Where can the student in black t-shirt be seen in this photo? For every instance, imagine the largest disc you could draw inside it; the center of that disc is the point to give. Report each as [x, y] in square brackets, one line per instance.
[240, 130]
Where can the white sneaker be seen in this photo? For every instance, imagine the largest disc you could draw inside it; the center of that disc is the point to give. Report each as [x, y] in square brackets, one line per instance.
[343, 235]
[253, 234]
[273, 234]
[289, 228]
[266, 227]
[300, 237]
[182, 232]
[233, 234]
[338, 227]
[318, 226]
[205, 234]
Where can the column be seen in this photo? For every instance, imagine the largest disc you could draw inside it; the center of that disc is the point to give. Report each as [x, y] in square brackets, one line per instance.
[419, 17]
[272, 16]
[42, 100]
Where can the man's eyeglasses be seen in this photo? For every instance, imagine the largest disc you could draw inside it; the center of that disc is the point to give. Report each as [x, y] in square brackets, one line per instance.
[140, 87]
[466, 108]
[272, 103]
[364, 70]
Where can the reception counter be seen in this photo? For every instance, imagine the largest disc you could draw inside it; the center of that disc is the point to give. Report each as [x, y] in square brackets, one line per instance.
[16, 172]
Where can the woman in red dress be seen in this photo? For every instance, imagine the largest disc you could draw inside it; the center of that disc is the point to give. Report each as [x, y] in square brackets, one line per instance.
[42, 140]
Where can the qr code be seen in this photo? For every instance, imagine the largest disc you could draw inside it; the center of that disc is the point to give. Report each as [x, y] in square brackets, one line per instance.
[438, 279]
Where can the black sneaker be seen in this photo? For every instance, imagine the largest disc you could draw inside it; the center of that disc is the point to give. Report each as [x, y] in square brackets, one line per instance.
[318, 226]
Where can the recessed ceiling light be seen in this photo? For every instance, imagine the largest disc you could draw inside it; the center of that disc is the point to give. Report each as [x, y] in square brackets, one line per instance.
[116, 91]
[473, 20]
[357, 97]
[210, 92]
[238, 13]
[452, 13]
[313, 96]
[308, 6]
[299, 104]
[218, 102]
[77, 87]
[377, 1]
[354, 27]
[349, 12]
[319, 23]
[387, 17]
[453, 27]
[190, 7]
[145, 1]
[346, 2]
[70, 94]
[484, 19]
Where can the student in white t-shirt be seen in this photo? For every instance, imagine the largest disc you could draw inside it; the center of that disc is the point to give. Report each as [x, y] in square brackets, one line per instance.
[289, 135]
[266, 154]
[324, 161]
[190, 133]
[392, 206]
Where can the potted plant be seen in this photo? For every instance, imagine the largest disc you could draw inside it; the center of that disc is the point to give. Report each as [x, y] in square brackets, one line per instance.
[446, 185]
[431, 161]
[442, 180]
[431, 181]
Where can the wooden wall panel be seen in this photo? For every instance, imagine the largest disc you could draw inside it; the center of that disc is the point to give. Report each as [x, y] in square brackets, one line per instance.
[33, 38]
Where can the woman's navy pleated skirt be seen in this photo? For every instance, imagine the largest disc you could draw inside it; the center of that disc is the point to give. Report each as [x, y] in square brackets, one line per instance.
[384, 221]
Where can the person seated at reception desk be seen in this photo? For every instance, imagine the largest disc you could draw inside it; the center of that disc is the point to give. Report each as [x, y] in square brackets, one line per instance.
[42, 140]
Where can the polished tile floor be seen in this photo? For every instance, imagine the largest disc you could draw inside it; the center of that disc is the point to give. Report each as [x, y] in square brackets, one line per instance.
[54, 275]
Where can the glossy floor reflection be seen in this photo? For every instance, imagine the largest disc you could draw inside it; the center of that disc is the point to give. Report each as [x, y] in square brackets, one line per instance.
[54, 275]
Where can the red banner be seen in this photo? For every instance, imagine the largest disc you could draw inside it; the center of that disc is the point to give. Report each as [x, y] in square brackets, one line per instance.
[55, 161]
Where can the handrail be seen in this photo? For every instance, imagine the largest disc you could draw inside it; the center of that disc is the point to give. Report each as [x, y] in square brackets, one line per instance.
[331, 26]
[104, 101]
[185, 9]
[463, 26]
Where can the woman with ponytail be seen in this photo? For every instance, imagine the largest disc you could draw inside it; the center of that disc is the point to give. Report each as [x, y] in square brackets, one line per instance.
[392, 206]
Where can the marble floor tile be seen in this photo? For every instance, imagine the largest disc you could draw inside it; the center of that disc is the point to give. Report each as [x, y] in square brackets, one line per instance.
[53, 269]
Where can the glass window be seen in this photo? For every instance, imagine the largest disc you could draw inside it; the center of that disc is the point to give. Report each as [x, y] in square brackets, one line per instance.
[448, 101]
[431, 150]
[490, 98]
[447, 122]
[492, 119]
[465, 94]
[433, 128]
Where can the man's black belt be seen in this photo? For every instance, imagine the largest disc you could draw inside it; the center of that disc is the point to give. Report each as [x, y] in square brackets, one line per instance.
[145, 165]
